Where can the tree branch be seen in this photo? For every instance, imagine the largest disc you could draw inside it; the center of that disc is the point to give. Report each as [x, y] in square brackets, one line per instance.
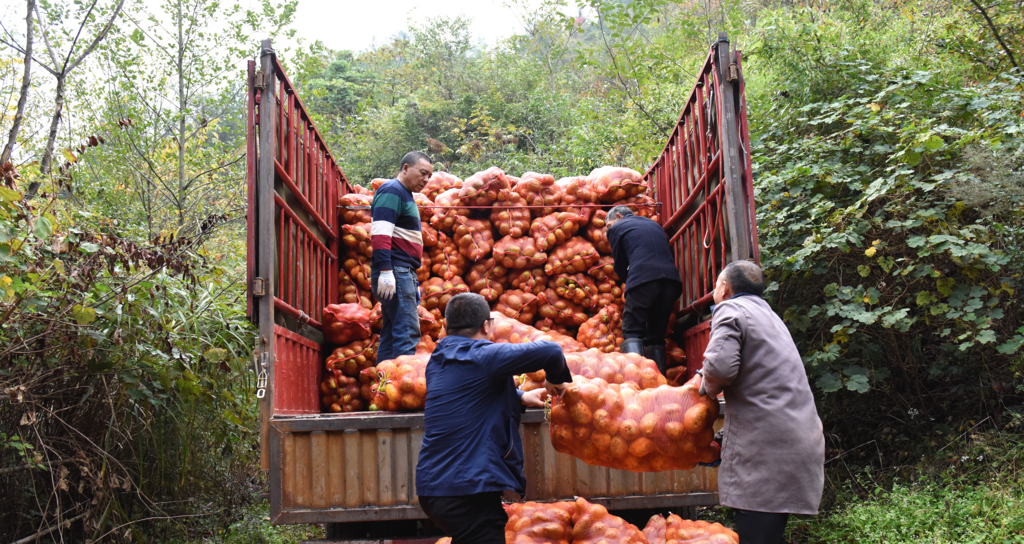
[995, 32]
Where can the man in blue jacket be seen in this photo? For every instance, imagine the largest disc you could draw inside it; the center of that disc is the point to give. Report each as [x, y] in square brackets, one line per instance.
[644, 261]
[472, 451]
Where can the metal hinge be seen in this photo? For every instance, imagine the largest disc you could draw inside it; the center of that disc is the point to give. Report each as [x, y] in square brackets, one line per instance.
[260, 80]
[259, 288]
[733, 73]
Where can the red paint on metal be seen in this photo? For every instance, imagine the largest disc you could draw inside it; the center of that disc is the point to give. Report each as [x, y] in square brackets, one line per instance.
[695, 341]
[250, 187]
[296, 374]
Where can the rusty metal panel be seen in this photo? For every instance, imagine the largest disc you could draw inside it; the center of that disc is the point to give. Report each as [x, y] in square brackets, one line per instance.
[695, 341]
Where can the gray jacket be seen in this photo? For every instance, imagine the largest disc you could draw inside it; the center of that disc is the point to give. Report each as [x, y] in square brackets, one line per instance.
[773, 455]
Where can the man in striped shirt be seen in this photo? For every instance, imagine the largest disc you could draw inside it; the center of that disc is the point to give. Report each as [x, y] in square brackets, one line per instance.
[397, 250]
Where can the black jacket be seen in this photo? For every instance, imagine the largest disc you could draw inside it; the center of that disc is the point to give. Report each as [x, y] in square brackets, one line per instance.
[641, 251]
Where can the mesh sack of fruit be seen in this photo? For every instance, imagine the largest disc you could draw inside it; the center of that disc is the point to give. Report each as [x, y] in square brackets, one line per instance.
[539, 523]
[615, 368]
[350, 360]
[473, 237]
[644, 206]
[639, 430]
[429, 324]
[376, 318]
[603, 269]
[509, 330]
[445, 259]
[539, 190]
[436, 292]
[577, 197]
[579, 288]
[614, 183]
[345, 323]
[357, 238]
[533, 280]
[375, 183]
[603, 331]
[597, 232]
[576, 255]
[425, 206]
[440, 182]
[685, 531]
[518, 253]
[423, 272]
[355, 208]
[481, 189]
[560, 310]
[357, 267]
[509, 217]
[340, 393]
[518, 305]
[446, 209]
[429, 234]
[531, 380]
[592, 524]
[426, 345]
[655, 529]
[349, 292]
[487, 278]
[674, 355]
[554, 229]
[359, 189]
[546, 325]
[609, 292]
[401, 383]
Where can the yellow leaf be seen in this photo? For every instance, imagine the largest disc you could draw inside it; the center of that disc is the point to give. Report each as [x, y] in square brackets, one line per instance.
[874, 106]
[870, 252]
[69, 155]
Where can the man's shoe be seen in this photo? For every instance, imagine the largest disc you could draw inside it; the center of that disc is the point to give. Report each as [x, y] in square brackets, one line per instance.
[656, 354]
[633, 345]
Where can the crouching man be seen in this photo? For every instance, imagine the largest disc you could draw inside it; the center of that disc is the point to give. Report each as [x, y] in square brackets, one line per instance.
[472, 451]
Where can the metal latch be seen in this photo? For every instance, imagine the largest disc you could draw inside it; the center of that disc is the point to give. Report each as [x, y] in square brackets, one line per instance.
[303, 318]
[259, 288]
[734, 73]
[260, 358]
[260, 82]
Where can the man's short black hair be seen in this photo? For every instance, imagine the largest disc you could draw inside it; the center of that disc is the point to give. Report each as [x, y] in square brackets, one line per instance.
[413, 158]
[617, 213]
[466, 314]
[744, 277]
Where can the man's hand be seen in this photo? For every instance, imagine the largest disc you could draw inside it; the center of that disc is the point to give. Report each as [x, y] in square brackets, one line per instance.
[535, 398]
[386, 285]
[554, 389]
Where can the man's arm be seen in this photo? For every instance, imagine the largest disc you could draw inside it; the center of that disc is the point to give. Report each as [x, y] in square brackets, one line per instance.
[384, 211]
[506, 360]
[619, 257]
[722, 356]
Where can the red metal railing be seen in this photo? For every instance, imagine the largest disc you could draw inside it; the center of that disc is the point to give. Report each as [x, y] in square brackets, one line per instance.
[688, 182]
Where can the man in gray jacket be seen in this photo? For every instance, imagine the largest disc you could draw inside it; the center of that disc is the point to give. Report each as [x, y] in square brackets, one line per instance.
[773, 452]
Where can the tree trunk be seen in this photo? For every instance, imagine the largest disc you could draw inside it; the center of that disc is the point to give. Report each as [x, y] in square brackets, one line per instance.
[181, 120]
[58, 107]
[26, 81]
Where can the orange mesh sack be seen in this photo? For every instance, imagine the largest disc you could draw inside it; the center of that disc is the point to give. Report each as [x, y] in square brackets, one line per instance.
[375, 183]
[360, 190]
[357, 267]
[615, 368]
[560, 310]
[576, 196]
[446, 210]
[674, 355]
[423, 272]
[614, 183]
[486, 279]
[609, 292]
[401, 383]
[592, 524]
[546, 325]
[579, 288]
[340, 393]
[425, 206]
[509, 217]
[440, 182]
[345, 323]
[436, 292]
[533, 280]
[554, 229]
[445, 259]
[531, 381]
[350, 360]
[355, 208]
[349, 292]
[511, 331]
[429, 325]
[376, 318]
[518, 253]
[429, 234]
[603, 269]
[684, 531]
[644, 206]
[539, 190]
[357, 237]
[517, 305]
[623, 427]
[597, 232]
[603, 331]
[473, 237]
[577, 255]
[426, 345]
[539, 523]
[481, 189]
[655, 529]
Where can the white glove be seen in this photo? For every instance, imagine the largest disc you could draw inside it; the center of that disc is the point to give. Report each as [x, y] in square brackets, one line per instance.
[386, 285]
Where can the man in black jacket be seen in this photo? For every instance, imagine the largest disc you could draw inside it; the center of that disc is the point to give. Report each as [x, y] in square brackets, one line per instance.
[644, 261]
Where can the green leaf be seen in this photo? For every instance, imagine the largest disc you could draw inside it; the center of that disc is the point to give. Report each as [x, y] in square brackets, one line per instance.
[9, 195]
[912, 157]
[858, 383]
[934, 142]
[215, 355]
[43, 229]
[864, 270]
[88, 247]
[987, 336]
[83, 315]
[924, 297]
[831, 289]
[945, 286]
[829, 382]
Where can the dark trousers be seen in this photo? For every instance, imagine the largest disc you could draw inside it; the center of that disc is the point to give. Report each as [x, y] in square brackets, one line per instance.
[648, 309]
[760, 527]
[468, 519]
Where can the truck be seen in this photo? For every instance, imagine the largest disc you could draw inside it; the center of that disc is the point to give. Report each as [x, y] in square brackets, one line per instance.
[355, 472]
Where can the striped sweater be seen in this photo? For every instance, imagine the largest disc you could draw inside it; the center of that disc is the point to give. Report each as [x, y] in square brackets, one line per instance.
[395, 230]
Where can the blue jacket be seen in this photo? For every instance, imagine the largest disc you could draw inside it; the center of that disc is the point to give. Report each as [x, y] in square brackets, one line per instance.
[471, 441]
[641, 251]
